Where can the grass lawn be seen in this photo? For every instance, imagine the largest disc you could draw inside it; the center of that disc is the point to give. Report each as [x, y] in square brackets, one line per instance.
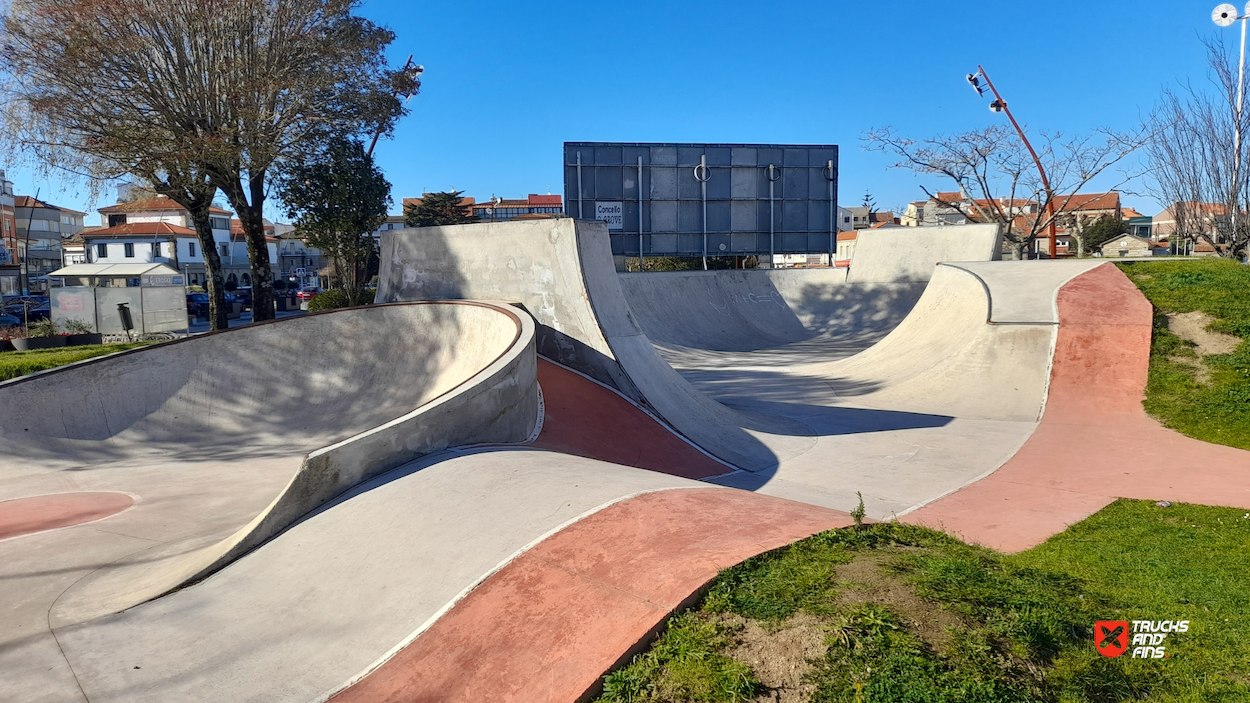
[20, 363]
[1217, 410]
[892, 613]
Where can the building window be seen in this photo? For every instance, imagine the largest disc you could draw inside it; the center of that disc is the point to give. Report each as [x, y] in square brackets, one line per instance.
[130, 250]
[156, 249]
[225, 250]
[219, 223]
[115, 220]
[101, 251]
[191, 248]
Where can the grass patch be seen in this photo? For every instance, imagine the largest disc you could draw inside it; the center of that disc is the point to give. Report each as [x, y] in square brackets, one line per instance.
[1219, 410]
[912, 615]
[20, 363]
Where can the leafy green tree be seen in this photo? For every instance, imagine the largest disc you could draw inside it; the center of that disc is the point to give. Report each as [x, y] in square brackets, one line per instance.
[1104, 230]
[240, 89]
[442, 208]
[337, 201]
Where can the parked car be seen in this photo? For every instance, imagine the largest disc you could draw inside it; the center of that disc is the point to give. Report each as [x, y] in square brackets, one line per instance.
[197, 304]
[307, 292]
[31, 307]
[7, 320]
[244, 295]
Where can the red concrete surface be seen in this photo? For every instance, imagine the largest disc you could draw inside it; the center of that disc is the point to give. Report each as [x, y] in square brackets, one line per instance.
[547, 626]
[1095, 443]
[585, 419]
[24, 516]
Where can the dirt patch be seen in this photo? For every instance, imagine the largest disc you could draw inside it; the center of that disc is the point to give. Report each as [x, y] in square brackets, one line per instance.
[865, 580]
[1192, 326]
[1201, 373]
[780, 655]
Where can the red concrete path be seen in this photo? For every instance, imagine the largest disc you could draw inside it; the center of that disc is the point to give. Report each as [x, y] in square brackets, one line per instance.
[24, 516]
[583, 418]
[1095, 443]
[547, 626]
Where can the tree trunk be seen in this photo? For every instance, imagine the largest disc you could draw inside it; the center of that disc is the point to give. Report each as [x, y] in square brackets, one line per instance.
[216, 285]
[252, 218]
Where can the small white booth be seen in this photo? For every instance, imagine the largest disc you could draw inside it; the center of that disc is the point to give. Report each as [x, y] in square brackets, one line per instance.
[101, 295]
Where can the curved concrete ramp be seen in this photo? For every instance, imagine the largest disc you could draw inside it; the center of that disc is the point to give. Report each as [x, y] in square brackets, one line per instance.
[561, 272]
[300, 410]
[798, 314]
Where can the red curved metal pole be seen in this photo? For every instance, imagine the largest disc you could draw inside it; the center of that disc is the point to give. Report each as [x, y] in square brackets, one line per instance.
[1050, 196]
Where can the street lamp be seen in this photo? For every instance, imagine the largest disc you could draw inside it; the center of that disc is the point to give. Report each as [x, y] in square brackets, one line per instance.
[1224, 16]
[1000, 105]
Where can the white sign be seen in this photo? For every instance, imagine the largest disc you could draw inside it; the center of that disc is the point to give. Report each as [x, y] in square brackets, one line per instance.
[301, 272]
[611, 213]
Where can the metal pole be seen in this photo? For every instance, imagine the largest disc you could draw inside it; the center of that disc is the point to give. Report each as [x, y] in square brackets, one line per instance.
[1241, 80]
[1050, 200]
[640, 260]
[833, 219]
[376, 135]
[702, 179]
[30, 219]
[772, 175]
[579, 185]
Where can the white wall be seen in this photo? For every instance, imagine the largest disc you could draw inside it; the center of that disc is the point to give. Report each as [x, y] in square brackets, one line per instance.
[116, 251]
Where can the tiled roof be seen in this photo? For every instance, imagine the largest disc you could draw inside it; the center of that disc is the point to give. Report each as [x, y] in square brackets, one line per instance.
[140, 229]
[27, 201]
[1087, 201]
[544, 200]
[158, 203]
[848, 236]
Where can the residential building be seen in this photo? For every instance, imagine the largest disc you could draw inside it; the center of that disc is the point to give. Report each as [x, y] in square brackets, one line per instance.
[162, 230]
[74, 249]
[392, 222]
[1181, 222]
[39, 228]
[294, 256]
[859, 217]
[533, 207]
[846, 245]
[1127, 245]
[10, 265]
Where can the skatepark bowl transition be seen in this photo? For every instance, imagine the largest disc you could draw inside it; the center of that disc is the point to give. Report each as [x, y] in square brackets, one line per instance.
[497, 482]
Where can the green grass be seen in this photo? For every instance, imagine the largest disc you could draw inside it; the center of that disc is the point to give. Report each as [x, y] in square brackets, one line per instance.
[1219, 410]
[1023, 623]
[20, 363]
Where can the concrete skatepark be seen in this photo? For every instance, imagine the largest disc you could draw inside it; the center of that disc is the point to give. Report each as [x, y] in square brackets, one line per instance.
[497, 484]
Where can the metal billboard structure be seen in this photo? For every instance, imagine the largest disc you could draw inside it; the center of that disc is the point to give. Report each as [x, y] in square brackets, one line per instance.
[706, 199]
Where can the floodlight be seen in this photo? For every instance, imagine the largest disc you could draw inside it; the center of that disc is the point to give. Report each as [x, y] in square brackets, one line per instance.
[1225, 15]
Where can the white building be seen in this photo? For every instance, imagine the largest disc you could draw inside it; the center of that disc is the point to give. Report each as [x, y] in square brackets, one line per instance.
[159, 230]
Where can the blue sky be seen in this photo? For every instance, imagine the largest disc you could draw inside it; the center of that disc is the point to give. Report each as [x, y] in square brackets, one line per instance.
[506, 83]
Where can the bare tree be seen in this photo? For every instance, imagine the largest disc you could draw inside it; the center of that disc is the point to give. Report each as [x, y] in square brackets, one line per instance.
[996, 177]
[232, 89]
[1194, 165]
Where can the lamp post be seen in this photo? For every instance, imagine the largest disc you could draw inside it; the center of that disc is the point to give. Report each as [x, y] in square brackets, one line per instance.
[1000, 105]
[1224, 16]
[412, 72]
